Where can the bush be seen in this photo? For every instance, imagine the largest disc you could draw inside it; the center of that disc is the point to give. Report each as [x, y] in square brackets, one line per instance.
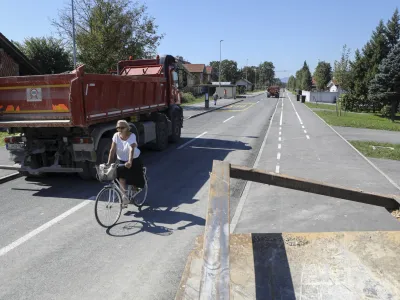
[386, 111]
[188, 97]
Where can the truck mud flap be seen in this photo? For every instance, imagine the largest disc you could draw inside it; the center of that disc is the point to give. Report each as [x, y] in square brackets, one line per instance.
[320, 265]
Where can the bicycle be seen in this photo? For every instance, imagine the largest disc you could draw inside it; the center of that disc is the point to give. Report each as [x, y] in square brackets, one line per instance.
[113, 195]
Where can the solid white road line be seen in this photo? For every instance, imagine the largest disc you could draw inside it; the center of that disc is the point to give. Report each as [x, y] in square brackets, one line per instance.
[228, 119]
[243, 198]
[45, 226]
[362, 155]
[277, 169]
[191, 141]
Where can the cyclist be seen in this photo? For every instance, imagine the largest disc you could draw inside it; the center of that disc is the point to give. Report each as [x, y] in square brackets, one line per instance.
[124, 144]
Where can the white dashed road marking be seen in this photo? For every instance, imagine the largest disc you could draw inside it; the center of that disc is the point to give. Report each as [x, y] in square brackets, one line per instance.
[229, 119]
[45, 226]
[191, 141]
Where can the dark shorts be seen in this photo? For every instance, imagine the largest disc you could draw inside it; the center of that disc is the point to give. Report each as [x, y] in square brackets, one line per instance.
[134, 175]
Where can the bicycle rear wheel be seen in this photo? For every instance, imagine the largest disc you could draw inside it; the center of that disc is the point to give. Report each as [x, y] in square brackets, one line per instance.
[108, 206]
[139, 199]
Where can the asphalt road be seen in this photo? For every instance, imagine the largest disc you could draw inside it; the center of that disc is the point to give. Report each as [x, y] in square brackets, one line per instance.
[301, 144]
[52, 248]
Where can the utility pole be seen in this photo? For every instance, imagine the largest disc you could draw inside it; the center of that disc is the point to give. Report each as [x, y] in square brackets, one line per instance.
[220, 62]
[73, 32]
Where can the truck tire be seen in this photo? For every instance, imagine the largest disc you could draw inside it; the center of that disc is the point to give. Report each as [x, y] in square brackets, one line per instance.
[176, 127]
[161, 135]
[89, 171]
[103, 150]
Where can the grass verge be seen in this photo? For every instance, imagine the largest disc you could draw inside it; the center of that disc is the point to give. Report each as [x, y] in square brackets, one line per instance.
[358, 120]
[378, 150]
[2, 136]
[196, 100]
[321, 106]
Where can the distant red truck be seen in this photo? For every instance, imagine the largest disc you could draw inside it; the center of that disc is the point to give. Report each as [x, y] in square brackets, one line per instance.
[66, 121]
[273, 91]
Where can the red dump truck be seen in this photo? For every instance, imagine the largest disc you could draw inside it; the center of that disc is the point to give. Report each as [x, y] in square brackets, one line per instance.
[65, 121]
[273, 91]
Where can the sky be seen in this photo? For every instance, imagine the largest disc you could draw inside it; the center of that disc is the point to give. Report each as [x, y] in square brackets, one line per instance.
[285, 32]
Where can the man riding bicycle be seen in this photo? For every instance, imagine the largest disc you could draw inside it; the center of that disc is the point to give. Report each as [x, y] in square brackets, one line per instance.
[124, 144]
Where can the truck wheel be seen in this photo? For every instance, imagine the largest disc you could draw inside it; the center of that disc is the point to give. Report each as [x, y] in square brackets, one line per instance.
[103, 150]
[87, 167]
[176, 128]
[161, 135]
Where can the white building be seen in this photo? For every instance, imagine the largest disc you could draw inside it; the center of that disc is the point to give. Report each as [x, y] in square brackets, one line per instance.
[334, 87]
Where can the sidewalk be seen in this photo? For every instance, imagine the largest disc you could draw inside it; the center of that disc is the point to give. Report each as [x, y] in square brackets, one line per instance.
[300, 144]
[5, 161]
[364, 134]
[190, 111]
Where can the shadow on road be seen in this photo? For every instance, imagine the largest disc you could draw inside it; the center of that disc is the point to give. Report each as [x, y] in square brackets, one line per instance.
[151, 220]
[175, 177]
[271, 267]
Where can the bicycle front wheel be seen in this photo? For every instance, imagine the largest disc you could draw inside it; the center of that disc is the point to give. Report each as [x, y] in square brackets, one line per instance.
[108, 207]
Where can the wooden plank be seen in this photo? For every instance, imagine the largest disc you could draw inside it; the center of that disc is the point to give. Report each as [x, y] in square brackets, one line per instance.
[215, 273]
[315, 187]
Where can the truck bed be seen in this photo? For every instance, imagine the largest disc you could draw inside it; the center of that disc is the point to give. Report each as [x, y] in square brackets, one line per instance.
[70, 100]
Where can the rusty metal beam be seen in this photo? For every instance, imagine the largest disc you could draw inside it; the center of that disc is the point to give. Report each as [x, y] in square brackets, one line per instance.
[215, 280]
[315, 187]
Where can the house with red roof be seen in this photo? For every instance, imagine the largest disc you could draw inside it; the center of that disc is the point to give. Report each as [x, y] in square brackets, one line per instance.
[13, 62]
[334, 86]
[198, 72]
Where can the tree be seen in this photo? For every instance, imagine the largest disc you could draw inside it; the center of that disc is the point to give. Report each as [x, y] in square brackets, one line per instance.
[266, 73]
[322, 74]
[215, 70]
[385, 87]
[291, 83]
[377, 49]
[306, 79]
[47, 54]
[393, 29]
[251, 73]
[229, 70]
[108, 31]
[299, 79]
[341, 72]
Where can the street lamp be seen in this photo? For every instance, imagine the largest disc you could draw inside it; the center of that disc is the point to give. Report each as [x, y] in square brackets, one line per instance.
[73, 32]
[220, 62]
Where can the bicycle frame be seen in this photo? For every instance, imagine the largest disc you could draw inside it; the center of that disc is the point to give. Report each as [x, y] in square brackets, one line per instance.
[116, 184]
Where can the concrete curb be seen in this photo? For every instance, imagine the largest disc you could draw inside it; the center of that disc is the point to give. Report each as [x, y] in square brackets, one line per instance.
[10, 177]
[208, 111]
